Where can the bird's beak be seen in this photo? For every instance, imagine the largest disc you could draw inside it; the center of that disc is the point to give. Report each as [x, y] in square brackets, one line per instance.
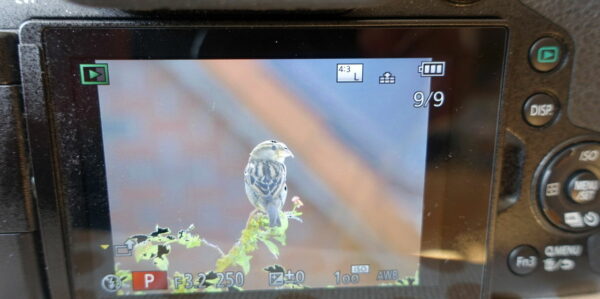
[287, 153]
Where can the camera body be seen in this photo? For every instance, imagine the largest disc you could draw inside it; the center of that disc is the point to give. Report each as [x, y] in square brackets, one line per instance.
[535, 233]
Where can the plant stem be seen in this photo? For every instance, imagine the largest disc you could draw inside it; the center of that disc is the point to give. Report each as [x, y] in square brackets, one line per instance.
[213, 246]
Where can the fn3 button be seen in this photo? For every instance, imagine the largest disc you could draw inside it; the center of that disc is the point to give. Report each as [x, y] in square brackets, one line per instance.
[523, 260]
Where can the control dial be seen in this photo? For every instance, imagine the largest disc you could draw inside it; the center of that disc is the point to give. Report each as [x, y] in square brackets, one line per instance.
[569, 188]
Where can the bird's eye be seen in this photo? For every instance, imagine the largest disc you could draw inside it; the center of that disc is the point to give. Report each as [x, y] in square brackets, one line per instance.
[273, 147]
[273, 141]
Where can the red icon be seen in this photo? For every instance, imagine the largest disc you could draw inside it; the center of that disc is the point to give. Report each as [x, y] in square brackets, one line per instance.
[149, 280]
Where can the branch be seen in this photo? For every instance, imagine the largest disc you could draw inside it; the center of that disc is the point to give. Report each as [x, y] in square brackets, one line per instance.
[258, 230]
[209, 244]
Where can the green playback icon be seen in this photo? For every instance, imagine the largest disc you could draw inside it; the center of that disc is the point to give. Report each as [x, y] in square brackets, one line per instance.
[548, 54]
[94, 74]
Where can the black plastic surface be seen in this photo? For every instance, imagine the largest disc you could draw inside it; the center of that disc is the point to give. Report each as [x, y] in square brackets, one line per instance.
[146, 5]
[20, 275]
[581, 18]
[512, 172]
[9, 60]
[593, 245]
[48, 211]
[16, 207]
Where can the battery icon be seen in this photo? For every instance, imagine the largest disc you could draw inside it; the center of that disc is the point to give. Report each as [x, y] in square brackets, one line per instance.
[432, 68]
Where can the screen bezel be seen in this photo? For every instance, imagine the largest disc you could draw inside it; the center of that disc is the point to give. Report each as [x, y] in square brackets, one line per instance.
[81, 182]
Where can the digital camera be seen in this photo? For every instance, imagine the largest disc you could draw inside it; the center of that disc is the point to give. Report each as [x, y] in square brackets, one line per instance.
[299, 149]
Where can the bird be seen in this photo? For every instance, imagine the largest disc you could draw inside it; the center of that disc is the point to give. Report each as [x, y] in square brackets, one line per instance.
[265, 178]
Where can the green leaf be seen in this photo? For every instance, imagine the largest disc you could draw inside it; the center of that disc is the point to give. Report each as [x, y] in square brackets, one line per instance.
[156, 246]
[144, 251]
[263, 220]
[243, 260]
[161, 263]
[234, 289]
[280, 239]
[224, 262]
[212, 289]
[273, 248]
[190, 241]
[124, 275]
[409, 280]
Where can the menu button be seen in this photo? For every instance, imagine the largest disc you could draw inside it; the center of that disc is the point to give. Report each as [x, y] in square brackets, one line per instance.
[583, 187]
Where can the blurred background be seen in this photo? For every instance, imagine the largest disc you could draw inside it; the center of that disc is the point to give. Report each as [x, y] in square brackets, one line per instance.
[177, 135]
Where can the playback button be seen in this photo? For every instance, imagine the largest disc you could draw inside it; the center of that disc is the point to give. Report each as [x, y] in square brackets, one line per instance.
[540, 109]
[545, 54]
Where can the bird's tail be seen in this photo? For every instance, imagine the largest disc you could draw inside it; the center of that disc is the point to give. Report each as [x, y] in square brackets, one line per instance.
[273, 213]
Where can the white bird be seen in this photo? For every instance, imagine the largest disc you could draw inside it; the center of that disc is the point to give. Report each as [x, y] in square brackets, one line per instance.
[265, 178]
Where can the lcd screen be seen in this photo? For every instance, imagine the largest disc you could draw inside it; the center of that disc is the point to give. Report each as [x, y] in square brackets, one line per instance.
[257, 174]
[325, 161]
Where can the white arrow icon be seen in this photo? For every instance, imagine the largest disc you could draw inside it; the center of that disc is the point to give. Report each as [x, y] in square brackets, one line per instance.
[130, 243]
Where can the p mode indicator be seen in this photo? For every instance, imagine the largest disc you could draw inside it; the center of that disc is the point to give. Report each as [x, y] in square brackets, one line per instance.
[149, 280]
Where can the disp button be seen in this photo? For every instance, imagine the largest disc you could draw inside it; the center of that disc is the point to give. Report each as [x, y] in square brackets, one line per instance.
[540, 109]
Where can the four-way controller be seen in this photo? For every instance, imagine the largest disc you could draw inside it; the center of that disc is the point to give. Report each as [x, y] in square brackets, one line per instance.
[568, 187]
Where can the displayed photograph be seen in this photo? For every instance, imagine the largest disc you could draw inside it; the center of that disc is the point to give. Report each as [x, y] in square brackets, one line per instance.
[233, 175]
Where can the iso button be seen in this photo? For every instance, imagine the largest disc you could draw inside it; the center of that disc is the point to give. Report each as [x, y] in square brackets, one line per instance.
[523, 260]
[540, 109]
